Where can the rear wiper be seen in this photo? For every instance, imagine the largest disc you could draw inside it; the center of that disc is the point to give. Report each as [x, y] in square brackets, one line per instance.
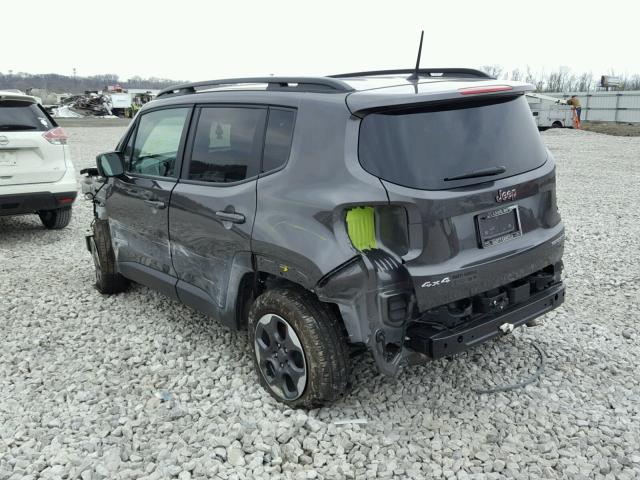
[16, 127]
[486, 172]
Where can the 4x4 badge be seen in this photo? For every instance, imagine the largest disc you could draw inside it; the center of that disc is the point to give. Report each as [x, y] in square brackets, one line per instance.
[506, 195]
[435, 283]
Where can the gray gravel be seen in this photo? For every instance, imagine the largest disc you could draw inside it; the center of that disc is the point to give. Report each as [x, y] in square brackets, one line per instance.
[138, 386]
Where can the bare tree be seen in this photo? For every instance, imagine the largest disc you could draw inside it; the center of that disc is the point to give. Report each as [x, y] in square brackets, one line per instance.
[516, 75]
[492, 70]
[585, 82]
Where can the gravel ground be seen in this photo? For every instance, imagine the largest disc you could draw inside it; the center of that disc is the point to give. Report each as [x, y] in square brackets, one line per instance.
[610, 128]
[138, 386]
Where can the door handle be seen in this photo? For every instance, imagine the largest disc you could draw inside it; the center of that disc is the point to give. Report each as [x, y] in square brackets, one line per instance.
[230, 217]
[155, 204]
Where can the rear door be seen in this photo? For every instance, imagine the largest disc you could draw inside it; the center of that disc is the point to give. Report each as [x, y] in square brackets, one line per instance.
[214, 204]
[479, 189]
[25, 155]
[138, 202]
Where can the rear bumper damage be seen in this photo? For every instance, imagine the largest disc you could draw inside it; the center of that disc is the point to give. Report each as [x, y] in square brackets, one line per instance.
[376, 297]
[437, 341]
[24, 203]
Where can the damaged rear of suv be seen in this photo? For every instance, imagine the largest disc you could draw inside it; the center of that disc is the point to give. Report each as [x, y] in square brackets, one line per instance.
[415, 216]
[469, 245]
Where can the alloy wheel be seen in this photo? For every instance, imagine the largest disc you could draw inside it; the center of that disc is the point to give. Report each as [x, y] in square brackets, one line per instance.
[96, 261]
[280, 356]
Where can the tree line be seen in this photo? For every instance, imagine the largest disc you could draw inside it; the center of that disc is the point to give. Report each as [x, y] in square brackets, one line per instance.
[561, 80]
[75, 84]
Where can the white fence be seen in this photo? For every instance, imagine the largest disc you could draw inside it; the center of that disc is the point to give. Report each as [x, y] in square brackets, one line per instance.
[607, 106]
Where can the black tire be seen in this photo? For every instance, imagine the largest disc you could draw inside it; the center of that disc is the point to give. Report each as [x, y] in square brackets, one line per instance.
[556, 124]
[55, 219]
[324, 348]
[108, 280]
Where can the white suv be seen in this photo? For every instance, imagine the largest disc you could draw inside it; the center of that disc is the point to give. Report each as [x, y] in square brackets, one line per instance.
[36, 173]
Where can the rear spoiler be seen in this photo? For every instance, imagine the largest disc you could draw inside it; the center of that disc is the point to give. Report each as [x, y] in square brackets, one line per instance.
[363, 102]
[18, 97]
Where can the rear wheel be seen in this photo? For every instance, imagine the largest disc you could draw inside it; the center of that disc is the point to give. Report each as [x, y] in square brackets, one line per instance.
[298, 347]
[557, 124]
[108, 280]
[55, 219]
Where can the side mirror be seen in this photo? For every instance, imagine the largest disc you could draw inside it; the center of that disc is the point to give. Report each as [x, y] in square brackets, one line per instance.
[110, 164]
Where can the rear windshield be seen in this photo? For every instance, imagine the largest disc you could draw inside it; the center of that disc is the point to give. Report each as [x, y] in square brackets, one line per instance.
[422, 148]
[19, 116]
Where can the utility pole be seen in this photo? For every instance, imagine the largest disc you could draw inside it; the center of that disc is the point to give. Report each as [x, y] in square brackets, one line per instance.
[75, 81]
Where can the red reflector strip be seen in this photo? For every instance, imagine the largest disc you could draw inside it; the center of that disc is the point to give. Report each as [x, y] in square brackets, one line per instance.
[65, 200]
[487, 89]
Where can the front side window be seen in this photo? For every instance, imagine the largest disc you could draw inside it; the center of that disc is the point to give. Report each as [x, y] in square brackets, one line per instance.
[227, 145]
[157, 141]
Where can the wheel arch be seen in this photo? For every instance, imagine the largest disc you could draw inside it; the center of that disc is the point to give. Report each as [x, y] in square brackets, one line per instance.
[253, 284]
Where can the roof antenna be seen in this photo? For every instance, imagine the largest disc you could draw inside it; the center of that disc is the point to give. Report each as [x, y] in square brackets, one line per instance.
[414, 75]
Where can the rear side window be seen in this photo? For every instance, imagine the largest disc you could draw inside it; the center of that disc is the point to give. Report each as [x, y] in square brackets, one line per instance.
[157, 141]
[20, 116]
[421, 148]
[227, 144]
[278, 139]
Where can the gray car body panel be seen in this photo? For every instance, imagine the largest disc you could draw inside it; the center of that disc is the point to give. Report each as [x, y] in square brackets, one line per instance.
[300, 214]
[298, 232]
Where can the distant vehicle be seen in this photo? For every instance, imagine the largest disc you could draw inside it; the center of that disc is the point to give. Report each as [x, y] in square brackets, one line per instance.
[392, 210]
[550, 112]
[120, 103]
[36, 173]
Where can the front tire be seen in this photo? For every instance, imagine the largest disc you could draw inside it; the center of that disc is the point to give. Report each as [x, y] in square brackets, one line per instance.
[298, 347]
[55, 219]
[108, 280]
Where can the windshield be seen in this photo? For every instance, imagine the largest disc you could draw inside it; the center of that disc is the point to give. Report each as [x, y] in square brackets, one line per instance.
[21, 116]
[432, 148]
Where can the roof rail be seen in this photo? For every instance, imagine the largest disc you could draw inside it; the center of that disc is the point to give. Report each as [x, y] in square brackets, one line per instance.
[298, 84]
[423, 72]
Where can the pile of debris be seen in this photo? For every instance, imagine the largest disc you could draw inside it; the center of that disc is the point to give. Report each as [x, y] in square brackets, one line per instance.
[89, 105]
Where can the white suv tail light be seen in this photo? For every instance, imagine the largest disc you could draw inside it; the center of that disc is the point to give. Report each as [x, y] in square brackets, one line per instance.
[56, 136]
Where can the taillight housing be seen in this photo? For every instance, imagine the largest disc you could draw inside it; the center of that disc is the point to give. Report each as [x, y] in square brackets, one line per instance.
[379, 226]
[56, 136]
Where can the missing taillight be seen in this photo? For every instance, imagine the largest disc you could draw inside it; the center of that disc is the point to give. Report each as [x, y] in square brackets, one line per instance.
[382, 226]
[361, 228]
[56, 136]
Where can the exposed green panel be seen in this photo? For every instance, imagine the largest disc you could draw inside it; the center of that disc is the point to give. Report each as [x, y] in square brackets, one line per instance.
[361, 227]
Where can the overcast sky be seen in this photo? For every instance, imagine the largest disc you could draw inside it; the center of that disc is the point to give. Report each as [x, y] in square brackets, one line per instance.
[196, 40]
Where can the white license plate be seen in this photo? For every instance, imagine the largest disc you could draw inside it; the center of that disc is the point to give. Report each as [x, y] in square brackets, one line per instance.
[499, 226]
[7, 159]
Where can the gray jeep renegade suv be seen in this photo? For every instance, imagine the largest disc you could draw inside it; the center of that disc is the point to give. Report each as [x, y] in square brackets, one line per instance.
[414, 215]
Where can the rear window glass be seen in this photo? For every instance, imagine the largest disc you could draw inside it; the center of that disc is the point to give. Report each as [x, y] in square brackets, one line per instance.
[19, 116]
[421, 148]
